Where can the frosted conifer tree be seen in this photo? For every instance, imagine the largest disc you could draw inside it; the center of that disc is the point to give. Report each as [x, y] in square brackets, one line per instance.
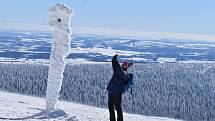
[59, 19]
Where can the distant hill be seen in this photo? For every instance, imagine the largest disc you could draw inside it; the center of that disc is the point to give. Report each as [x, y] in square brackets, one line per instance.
[36, 46]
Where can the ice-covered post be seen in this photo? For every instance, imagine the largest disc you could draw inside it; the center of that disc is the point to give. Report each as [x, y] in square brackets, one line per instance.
[59, 19]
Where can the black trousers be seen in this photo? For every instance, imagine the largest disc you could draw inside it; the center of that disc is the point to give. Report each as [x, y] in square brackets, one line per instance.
[115, 101]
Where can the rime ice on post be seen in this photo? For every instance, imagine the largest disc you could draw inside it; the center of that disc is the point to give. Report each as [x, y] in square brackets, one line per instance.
[59, 18]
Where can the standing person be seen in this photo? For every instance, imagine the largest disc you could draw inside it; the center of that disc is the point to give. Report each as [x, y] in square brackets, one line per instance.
[115, 88]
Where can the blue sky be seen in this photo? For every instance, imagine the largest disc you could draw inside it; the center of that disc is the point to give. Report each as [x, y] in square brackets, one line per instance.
[182, 16]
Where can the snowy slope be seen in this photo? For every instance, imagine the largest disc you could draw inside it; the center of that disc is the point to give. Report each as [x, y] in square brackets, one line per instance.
[20, 107]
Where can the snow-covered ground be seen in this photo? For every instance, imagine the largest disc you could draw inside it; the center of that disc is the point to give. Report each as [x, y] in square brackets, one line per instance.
[27, 108]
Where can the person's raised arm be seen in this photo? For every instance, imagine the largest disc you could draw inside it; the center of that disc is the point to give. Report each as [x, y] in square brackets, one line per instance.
[117, 68]
[115, 63]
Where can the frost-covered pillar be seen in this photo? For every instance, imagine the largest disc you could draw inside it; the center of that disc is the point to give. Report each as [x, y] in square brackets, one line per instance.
[59, 19]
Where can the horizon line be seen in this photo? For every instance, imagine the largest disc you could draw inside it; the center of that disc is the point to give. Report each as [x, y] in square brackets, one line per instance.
[141, 34]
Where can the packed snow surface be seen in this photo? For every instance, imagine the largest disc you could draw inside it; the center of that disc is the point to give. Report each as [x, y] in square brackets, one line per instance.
[26, 108]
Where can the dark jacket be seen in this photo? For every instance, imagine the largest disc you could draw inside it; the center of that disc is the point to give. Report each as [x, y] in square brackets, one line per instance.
[118, 79]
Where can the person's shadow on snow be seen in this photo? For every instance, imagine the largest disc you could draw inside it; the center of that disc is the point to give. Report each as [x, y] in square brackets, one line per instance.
[46, 115]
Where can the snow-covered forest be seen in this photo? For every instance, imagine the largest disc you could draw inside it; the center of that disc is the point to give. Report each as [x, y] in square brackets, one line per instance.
[183, 91]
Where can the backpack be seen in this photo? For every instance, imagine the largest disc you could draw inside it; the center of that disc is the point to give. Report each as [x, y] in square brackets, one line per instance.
[129, 83]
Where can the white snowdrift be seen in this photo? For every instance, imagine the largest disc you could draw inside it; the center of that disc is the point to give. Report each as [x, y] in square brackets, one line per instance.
[27, 108]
